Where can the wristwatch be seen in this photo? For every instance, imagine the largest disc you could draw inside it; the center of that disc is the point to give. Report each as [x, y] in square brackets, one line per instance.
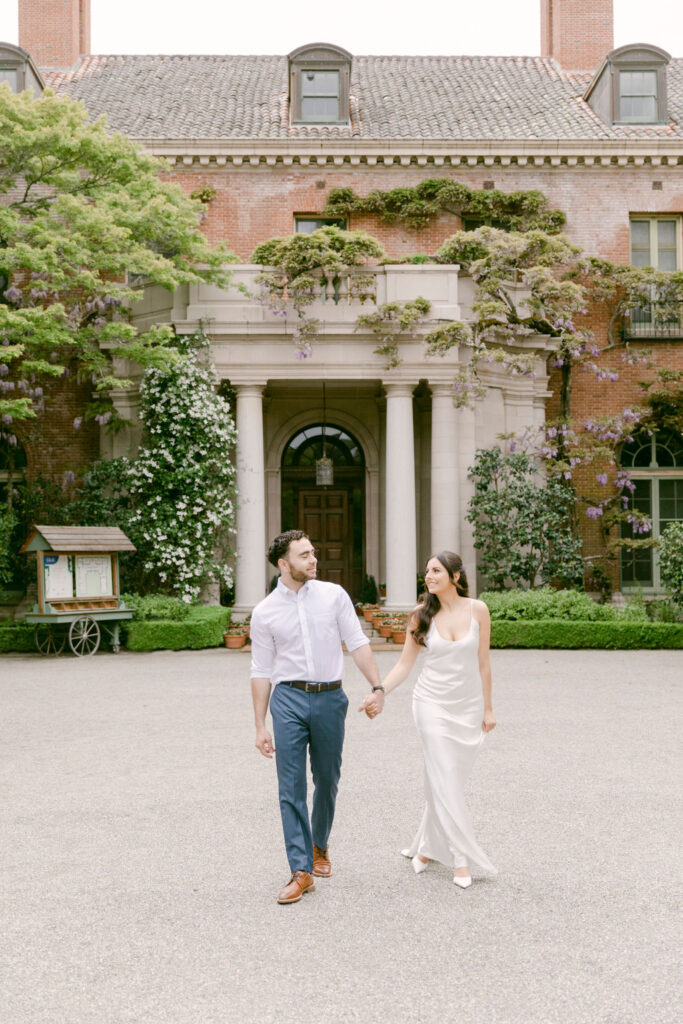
[379, 688]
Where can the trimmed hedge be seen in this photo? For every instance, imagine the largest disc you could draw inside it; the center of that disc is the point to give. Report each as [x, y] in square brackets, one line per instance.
[204, 627]
[545, 603]
[573, 634]
[17, 636]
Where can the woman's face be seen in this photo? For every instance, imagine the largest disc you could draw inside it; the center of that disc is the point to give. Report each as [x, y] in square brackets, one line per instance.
[437, 579]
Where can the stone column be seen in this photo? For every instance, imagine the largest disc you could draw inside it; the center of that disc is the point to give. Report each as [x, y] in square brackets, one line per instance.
[250, 576]
[445, 471]
[400, 531]
[465, 425]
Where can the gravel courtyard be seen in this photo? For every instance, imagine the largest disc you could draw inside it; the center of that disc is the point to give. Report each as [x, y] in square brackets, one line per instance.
[142, 852]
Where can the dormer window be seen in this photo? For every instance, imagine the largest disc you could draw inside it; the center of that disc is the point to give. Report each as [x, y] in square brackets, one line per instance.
[319, 77]
[630, 87]
[638, 97]
[18, 70]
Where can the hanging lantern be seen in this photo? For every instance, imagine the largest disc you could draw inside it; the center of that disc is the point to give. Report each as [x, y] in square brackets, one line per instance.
[324, 472]
[324, 467]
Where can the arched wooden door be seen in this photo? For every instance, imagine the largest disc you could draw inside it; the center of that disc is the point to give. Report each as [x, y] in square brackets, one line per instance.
[333, 517]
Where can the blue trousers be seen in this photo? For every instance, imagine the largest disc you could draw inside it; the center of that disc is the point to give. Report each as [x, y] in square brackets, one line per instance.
[304, 722]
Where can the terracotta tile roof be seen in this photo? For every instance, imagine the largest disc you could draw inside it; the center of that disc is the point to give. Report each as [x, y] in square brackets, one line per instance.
[411, 98]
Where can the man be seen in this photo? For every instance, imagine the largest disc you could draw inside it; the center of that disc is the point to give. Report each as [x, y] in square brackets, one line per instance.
[296, 642]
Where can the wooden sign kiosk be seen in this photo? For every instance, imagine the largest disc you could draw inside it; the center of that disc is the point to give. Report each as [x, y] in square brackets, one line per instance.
[78, 586]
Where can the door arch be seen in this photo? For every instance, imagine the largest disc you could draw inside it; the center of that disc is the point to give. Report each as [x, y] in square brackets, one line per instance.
[334, 516]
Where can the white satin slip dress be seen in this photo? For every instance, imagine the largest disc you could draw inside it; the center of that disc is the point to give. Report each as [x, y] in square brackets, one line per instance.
[448, 708]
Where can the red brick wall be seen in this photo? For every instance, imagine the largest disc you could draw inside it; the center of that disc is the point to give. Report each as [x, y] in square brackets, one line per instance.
[253, 204]
[54, 32]
[577, 33]
[53, 446]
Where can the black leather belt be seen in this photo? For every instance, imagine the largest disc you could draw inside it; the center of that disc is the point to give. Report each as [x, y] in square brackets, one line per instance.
[303, 684]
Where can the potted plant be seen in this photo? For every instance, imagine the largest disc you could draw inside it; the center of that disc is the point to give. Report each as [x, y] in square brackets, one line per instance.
[385, 627]
[236, 635]
[398, 633]
[367, 610]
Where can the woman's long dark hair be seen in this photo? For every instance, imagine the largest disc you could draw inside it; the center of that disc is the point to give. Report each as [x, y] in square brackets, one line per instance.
[429, 604]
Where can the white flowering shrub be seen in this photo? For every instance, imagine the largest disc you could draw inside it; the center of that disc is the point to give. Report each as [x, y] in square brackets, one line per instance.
[183, 480]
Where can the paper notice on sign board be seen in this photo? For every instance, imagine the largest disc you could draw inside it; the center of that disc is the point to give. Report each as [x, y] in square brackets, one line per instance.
[93, 576]
[59, 580]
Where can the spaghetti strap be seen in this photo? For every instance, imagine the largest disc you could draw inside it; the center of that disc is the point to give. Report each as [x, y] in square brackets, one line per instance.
[471, 614]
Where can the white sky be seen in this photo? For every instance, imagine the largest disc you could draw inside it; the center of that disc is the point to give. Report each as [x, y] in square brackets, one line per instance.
[361, 26]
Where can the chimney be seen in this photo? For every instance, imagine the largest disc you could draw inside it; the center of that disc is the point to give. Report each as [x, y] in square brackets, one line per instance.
[55, 32]
[577, 33]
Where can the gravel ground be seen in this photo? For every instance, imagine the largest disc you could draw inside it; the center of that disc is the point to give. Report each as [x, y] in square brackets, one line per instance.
[142, 852]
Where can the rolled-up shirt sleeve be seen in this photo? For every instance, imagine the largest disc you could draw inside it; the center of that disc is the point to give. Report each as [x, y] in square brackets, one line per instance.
[262, 650]
[349, 627]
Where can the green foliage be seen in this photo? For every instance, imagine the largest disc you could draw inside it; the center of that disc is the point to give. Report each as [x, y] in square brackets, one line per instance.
[8, 524]
[671, 560]
[545, 603]
[298, 265]
[85, 214]
[573, 635]
[369, 593]
[203, 627]
[182, 482]
[416, 207]
[663, 400]
[522, 524]
[204, 195]
[17, 637]
[392, 320]
[156, 606]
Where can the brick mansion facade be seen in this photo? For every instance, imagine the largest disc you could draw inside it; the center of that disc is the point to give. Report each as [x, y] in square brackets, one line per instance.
[598, 130]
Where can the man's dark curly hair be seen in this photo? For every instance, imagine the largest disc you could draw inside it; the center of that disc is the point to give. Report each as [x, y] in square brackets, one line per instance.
[280, 546]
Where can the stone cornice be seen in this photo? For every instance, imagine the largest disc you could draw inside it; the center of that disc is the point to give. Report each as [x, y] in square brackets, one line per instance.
[655, 152]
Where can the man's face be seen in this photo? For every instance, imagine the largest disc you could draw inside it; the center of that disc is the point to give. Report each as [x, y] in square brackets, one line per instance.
[301, 561]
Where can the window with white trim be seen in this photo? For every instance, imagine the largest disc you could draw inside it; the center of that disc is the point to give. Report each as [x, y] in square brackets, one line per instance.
[656, 242]
[655, 464]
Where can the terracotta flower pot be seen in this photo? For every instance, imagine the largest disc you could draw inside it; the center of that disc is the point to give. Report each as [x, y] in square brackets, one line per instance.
[235, 640]
[385, 630]
[368, 613]
[398, 636]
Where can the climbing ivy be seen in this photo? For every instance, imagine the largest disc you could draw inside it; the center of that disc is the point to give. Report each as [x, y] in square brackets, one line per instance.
[417, 206]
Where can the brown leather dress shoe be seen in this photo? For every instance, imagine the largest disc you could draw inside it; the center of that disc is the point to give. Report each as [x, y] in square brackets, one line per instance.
[299, 883]
[321, 863]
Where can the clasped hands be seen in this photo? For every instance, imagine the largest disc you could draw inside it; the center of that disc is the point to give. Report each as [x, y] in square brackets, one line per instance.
[373, 704]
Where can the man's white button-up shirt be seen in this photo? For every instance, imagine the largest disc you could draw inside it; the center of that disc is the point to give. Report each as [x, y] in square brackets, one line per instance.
[298, 634]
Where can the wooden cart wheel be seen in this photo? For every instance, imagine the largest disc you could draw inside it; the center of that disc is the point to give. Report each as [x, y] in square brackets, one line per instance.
[49, 639]
[84, 636]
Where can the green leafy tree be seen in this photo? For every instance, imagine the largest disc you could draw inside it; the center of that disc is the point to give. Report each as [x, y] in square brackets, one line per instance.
[85, 219]
[671, 561]
[522, 523]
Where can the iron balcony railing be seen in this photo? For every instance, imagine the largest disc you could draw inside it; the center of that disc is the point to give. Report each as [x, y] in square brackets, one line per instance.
[656, 320]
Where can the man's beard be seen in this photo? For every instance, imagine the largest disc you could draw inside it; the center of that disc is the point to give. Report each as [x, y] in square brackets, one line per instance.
[300, 577]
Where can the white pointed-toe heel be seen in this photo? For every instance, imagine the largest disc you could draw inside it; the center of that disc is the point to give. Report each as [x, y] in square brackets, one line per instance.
[419, 865]
[463, 881]
[407, 853]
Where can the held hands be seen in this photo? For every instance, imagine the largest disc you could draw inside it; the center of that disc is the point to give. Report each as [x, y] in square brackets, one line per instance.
[489, 722]
[264, 743]
[373, 704]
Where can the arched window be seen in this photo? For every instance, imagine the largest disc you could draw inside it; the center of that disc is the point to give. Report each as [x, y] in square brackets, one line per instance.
[655, 463]
[307, 446]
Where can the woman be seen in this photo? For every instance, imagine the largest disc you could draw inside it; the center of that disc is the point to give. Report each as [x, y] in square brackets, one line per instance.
[452, 710]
